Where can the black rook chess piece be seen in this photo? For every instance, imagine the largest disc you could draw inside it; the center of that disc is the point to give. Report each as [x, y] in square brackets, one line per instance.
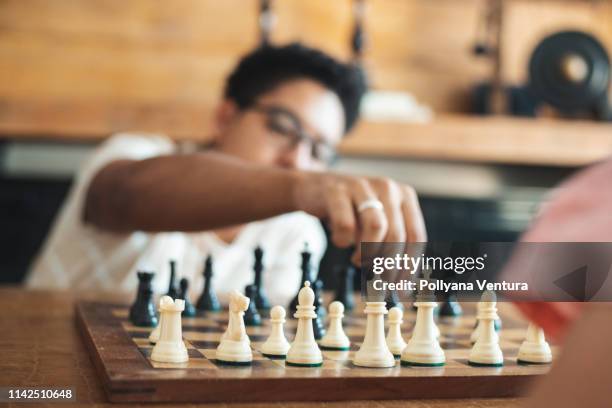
[142, 312]
[261, 300]
[306, 276]
[189, 310]
[345, 287]
[172, 291]
[251, 315]
[208, 300]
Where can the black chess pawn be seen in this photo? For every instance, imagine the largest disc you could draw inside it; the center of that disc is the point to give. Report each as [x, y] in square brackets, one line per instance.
[392, 300]
[208, 300]
[317, 323]
[189, 310]
[450, 307]
[306, 276]
[251, 315]
[142, 312]
[261, 300]
[172, 290]
[345, 288]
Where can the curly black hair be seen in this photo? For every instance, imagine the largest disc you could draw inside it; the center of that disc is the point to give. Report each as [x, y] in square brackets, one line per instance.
[268, 66]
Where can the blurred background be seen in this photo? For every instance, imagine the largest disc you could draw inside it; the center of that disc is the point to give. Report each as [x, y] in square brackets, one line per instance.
[482, 105]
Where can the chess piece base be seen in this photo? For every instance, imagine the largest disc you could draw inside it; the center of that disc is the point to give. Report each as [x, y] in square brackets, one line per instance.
[534, 353]
[165, 352]
[232, 351]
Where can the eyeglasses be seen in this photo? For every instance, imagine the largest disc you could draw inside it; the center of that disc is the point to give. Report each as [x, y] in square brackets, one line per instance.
[285, 123]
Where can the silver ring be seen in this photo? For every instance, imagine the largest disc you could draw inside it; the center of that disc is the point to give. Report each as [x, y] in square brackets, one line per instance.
[371, 203]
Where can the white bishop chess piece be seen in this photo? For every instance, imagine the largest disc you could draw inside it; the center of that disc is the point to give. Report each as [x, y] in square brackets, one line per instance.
[535, 348]
[423, 349]
[486, 351]
[235, 346]
[276, 346]
[394, 334]
[335, 338]
[170, 347]
[304, 351]
[374, 351]
[154, 336]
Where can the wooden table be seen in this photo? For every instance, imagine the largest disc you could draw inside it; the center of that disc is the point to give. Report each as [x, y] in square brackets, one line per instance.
[40, 346]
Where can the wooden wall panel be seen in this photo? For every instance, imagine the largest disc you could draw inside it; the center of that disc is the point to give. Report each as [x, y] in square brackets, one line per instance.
[91, 67]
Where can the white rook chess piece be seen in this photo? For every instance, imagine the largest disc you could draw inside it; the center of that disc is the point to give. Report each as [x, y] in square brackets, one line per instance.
[304, 351]
[535, 348]
[374, 351]
[276, 346]
[394, 335]
[235, 346]
[154, 336]
[486, 350]
[170, 347]
[335, 338]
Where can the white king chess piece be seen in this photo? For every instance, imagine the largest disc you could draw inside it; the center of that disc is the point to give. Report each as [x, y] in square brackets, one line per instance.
[486, 350]
[276, 346]
[423, 348]
[535, 348]
[235, 346]
[374, 351]
[335, 338]
[170, 347]
[304, 351]
[394, 334]
[154, 336]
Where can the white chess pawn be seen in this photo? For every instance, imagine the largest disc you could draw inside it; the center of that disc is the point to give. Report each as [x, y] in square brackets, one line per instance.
[374, 351]
[423, 349]
[535, 348]
[394, 335]
[276, 346]
[154, 336]
[170, 347]
[335, 338]
[486, 350]
[235, 347]
[304, 351]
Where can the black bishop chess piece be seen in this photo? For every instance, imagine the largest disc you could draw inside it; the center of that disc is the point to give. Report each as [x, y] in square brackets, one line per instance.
[306, 276]
[190, 310]
[208, 300]
[317, 323]
[172, 290]
[392, 300]
[261, 300]
[142, 312]
[251, 315]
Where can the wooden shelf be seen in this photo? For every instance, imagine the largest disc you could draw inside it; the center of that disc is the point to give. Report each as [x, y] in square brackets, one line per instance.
[549, 142]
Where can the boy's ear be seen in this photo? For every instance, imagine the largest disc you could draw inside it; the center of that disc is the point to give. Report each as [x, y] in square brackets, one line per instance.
[225, 113]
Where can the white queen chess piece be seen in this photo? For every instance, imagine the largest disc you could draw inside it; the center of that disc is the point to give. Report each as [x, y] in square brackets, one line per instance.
[304, 351]
[335, 338]
[486, 350]
[535, 348]
[276, 346]
[170, 347]
[235, 346]
[154, 336]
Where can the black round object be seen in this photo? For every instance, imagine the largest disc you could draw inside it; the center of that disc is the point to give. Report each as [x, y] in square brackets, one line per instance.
[571, 71]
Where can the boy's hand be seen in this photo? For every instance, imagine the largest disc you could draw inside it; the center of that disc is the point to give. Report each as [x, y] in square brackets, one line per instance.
[362, 209]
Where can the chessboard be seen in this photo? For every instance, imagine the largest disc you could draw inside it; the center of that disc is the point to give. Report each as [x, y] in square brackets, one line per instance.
[121, 351]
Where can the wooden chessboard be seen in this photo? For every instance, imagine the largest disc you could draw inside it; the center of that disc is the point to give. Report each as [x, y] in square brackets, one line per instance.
[121, 353]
